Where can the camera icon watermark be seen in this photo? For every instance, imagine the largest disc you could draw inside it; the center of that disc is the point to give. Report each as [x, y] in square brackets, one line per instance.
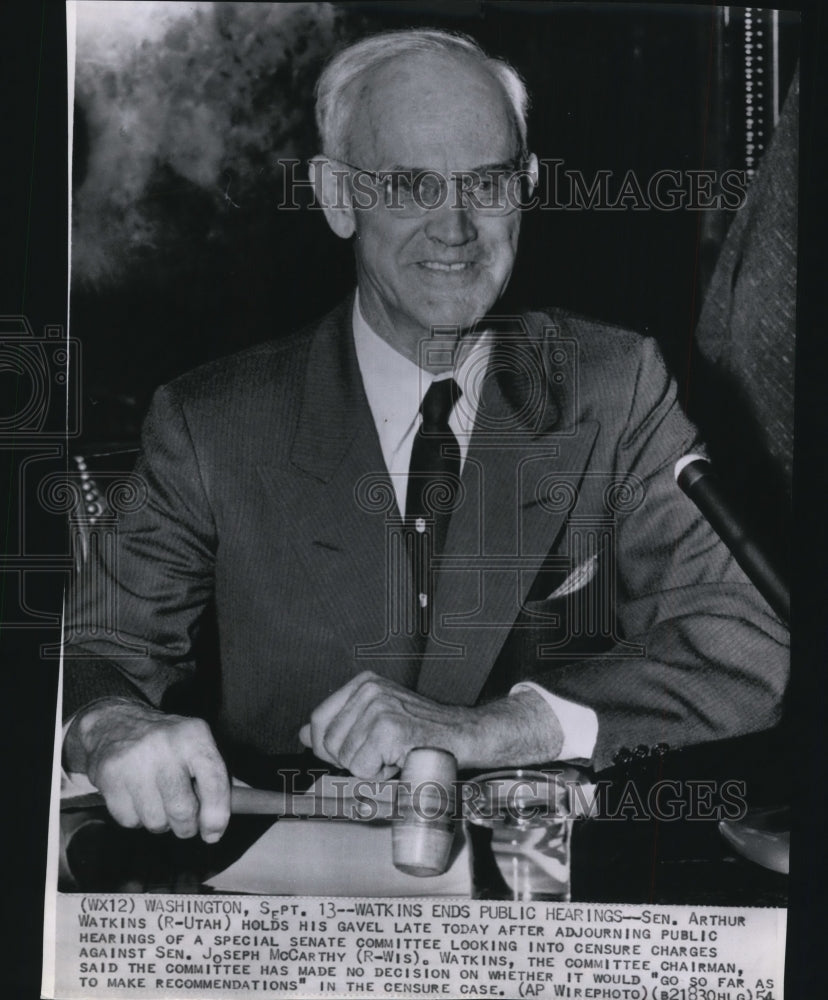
[40, 375]
[535, 368]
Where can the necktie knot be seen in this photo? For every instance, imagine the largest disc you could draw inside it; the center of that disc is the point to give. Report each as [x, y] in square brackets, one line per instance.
[438, 403]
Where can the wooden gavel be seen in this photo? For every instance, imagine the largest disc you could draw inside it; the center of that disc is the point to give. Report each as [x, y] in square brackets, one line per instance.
[421, 811]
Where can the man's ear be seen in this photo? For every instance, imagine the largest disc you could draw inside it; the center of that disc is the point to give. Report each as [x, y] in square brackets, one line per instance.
[333, 195]
[532, 170]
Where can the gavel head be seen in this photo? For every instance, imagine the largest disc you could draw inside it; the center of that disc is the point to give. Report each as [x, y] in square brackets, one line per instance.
[423, 824]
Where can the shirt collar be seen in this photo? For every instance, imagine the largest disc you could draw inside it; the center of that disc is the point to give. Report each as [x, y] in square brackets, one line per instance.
[395, 386]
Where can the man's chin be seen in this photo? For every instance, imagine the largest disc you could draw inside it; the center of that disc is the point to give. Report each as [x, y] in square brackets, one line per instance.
[457, 316]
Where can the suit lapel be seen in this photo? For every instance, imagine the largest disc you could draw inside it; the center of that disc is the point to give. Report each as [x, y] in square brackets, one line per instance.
[338, 501]
[337, 498]
[513, 509]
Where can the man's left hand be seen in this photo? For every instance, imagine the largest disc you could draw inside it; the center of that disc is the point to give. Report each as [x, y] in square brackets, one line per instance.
[369, 725]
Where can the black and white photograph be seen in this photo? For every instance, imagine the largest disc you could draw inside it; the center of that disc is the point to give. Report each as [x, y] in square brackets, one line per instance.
[411, 501]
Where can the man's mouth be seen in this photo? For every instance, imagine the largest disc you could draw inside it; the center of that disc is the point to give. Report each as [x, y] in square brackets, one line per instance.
[436, 265]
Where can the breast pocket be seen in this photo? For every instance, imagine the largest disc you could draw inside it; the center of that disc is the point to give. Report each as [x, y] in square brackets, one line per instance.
[574, 618]
[547, 594]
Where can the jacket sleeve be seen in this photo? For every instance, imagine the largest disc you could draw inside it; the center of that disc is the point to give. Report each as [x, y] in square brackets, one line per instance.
[133, 611]
[714, 657]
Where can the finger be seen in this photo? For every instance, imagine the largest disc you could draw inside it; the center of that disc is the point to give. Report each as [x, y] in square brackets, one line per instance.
[315, 742]
[365, 763]
[121, 807]
[349, 727]
[118, 798]
[327, 710]
[320, 752]
[378, 723]
[212, 786]
[320, 720]
[371, 762]
[149, 805]
[180, 802]
[372, 696]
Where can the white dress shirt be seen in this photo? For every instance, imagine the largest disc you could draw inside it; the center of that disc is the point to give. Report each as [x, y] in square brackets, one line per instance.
[395, 387]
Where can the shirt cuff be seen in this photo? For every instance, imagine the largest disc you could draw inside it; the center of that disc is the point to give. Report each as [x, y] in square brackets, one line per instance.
[578, 723]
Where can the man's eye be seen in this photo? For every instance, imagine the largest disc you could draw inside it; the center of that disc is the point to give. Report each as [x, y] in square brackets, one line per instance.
[429, 189]
[400, 186]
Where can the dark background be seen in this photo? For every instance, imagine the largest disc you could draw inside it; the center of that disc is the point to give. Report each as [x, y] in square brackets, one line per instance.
[612, 91]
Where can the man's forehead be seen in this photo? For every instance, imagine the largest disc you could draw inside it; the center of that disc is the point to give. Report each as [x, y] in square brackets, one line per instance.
[432, 109]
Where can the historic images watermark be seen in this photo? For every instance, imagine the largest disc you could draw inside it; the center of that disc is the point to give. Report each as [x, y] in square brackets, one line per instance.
[525, 801]
[46, 367]
[38, 420]
[521, 185]
[39, 414]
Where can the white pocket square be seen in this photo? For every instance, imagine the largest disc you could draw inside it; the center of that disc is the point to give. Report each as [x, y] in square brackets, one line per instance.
[577, 579]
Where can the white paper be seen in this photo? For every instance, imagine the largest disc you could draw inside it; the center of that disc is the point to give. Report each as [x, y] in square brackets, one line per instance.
[350, 859]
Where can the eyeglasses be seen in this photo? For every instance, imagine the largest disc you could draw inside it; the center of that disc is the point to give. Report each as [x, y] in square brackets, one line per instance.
[497, 190]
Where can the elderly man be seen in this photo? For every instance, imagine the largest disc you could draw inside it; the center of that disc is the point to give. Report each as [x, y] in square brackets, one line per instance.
[408, 515]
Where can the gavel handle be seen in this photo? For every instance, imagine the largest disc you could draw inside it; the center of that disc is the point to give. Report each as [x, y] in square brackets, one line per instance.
[263, 802]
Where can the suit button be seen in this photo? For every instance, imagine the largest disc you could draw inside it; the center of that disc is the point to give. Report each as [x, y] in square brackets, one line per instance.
[623, 756]
[661, 749]
[641, 751]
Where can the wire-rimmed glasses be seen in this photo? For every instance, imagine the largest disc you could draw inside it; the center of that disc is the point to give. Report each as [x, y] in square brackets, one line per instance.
[496, 189]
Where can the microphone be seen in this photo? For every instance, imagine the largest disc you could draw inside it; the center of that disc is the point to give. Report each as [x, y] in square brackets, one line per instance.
[696, 477]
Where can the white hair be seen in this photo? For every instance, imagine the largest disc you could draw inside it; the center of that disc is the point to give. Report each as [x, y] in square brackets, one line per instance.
[335, 95]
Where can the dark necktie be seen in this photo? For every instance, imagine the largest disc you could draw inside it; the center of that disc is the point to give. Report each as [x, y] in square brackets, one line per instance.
[433, 480]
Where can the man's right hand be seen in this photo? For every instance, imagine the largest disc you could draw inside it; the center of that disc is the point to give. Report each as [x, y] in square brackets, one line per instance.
[159, 771]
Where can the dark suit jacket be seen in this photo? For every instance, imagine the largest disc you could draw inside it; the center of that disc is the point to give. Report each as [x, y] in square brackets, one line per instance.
[266, 493]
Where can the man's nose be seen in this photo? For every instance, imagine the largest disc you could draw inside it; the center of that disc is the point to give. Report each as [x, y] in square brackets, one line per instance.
[451, 223]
